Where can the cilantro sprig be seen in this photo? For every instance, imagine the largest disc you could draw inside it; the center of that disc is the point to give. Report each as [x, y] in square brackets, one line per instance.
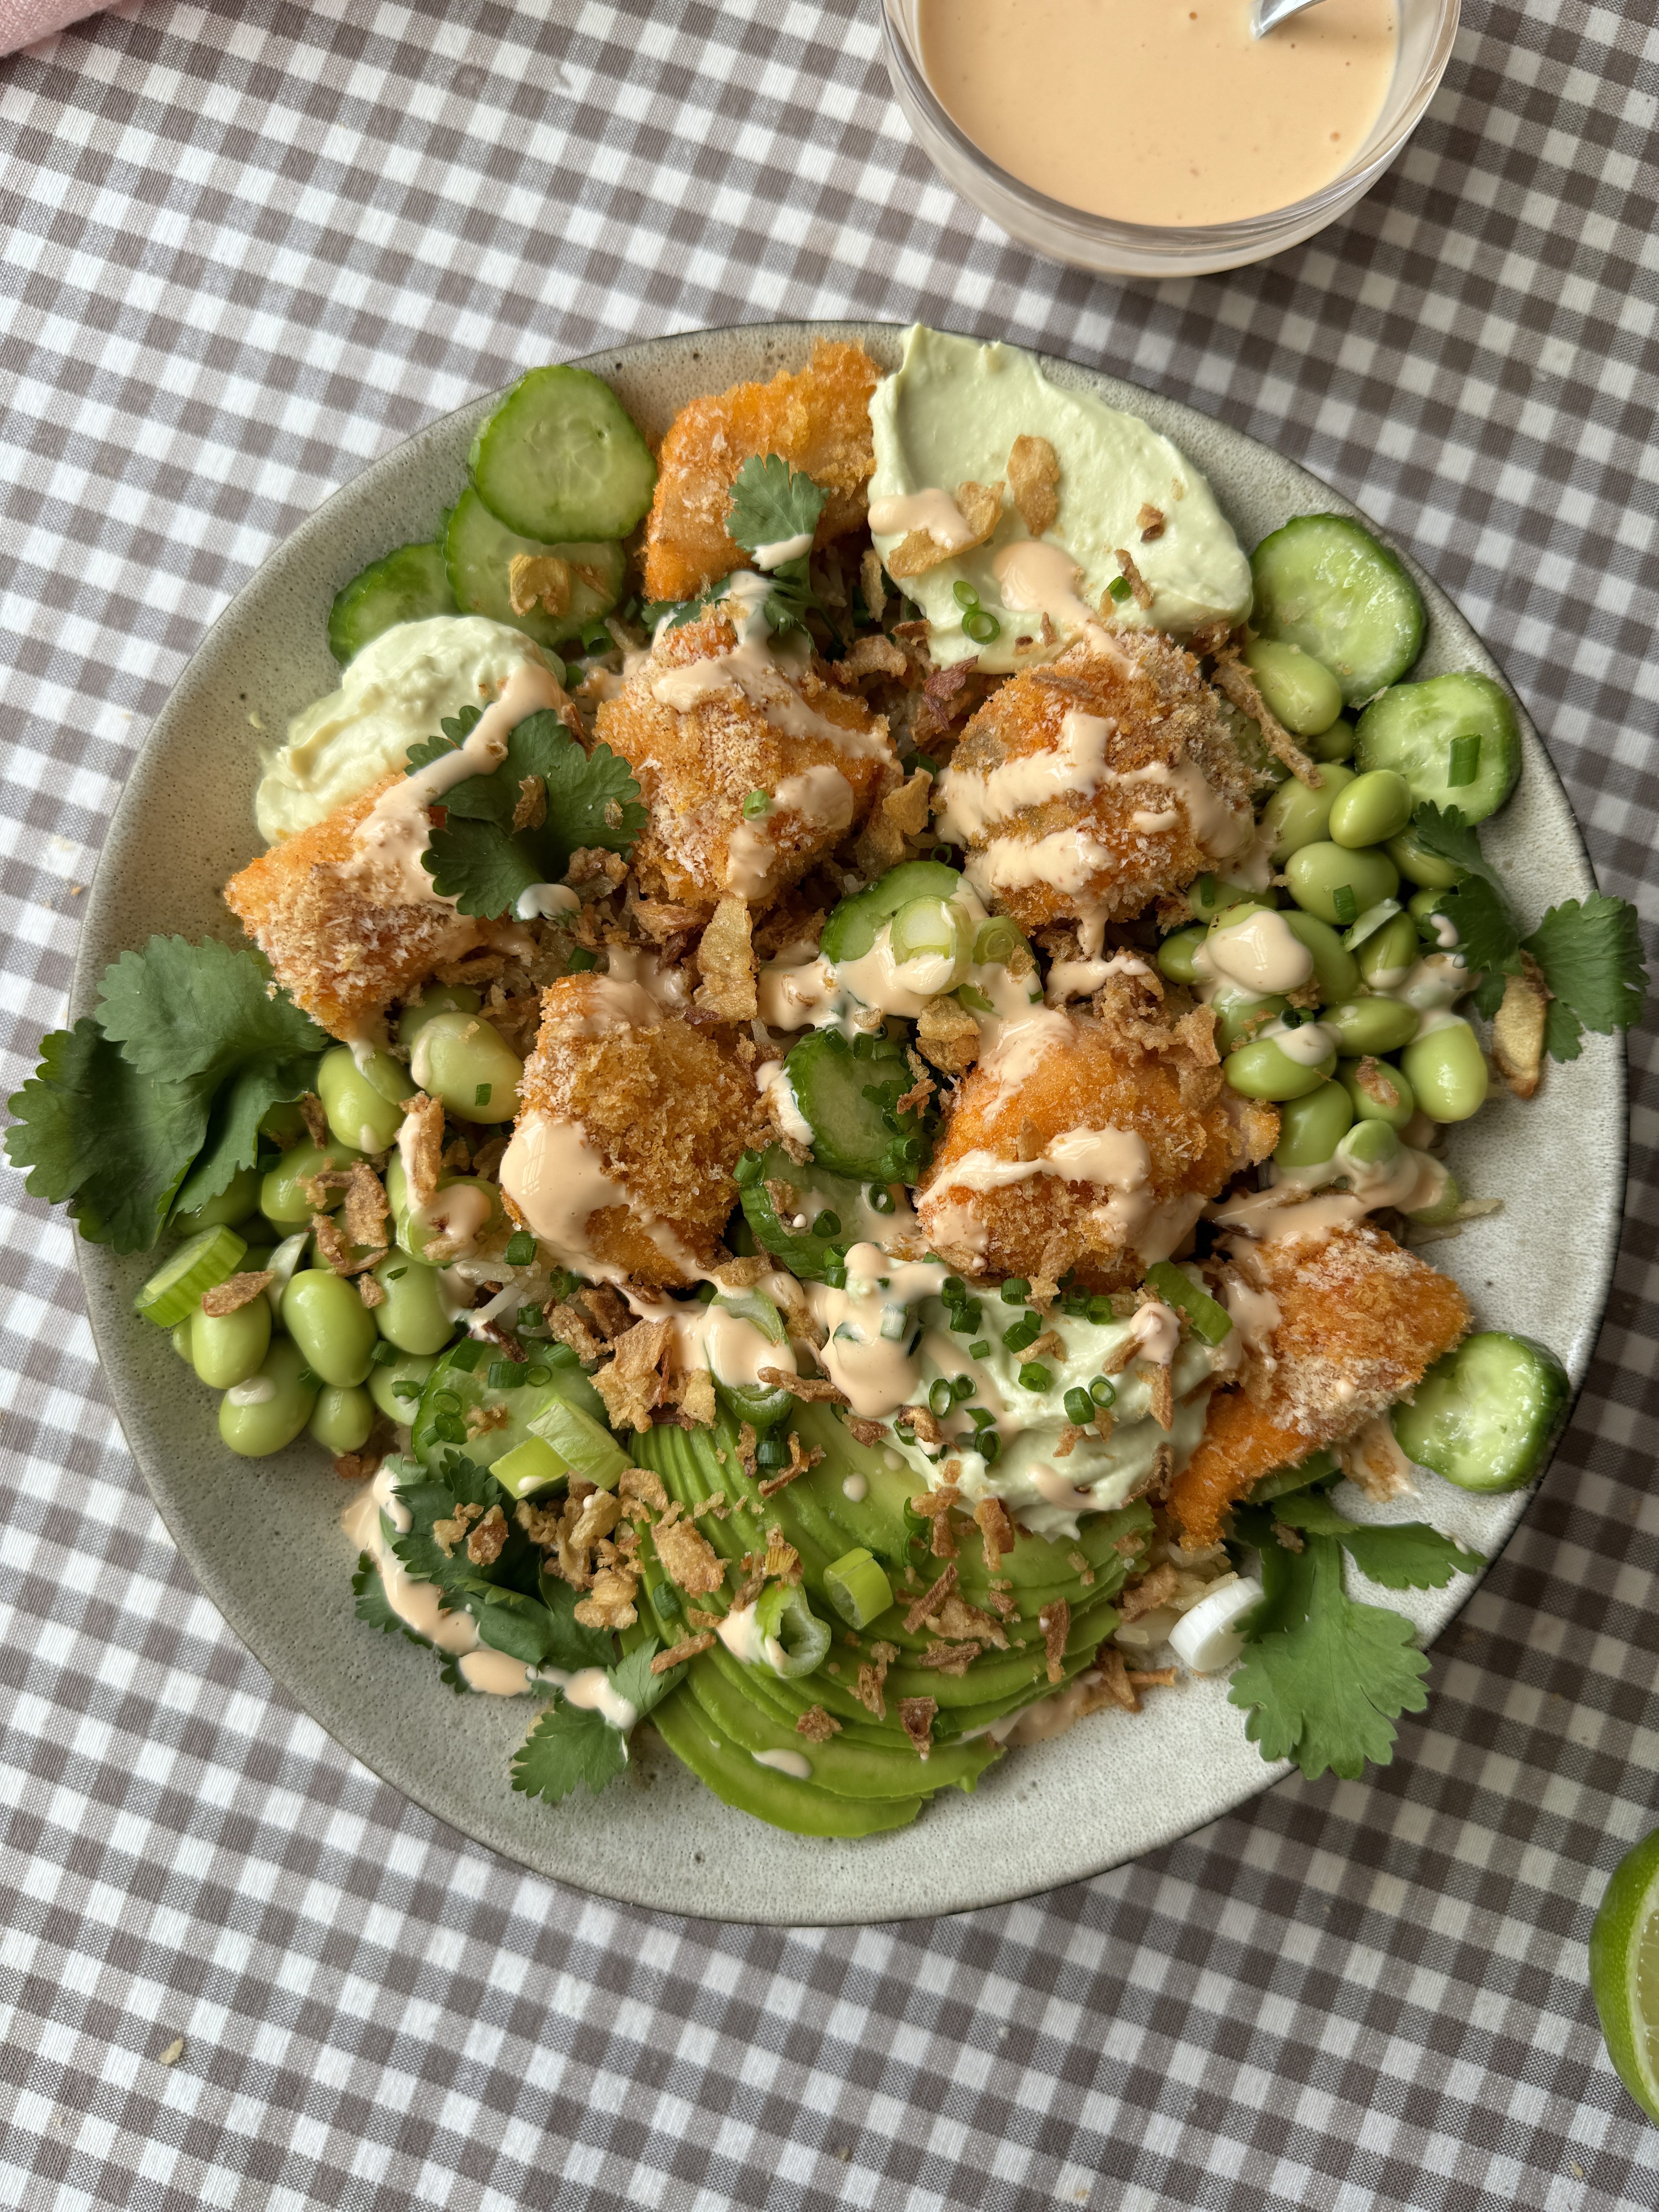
[155, 1102]
[521, 1610]
[1589, 953]
[1323, 1677]
[502, 834]
[771, 504]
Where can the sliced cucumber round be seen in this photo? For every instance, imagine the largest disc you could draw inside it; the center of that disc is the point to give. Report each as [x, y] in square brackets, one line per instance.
[479, 552]
[1324, 583]
[174, 1291]
[561, 457]
[852, 1132]
[1454, 739]
[1485, 1416]
[803, 1251]
[407, 586]
[855, 924]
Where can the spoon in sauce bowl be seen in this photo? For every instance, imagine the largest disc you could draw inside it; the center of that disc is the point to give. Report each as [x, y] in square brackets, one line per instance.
[1266, 14]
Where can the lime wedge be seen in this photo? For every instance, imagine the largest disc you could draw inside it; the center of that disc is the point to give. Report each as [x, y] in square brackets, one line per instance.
[1624, 1963]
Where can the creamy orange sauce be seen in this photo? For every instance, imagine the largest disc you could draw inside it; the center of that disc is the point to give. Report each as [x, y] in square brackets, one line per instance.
[1162, 110]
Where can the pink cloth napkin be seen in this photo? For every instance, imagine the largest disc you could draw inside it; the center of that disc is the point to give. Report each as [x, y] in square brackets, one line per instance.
[24, 22]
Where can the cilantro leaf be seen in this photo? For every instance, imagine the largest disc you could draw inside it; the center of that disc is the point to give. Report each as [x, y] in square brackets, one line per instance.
[1326, 1687]
[436, 1494]
[477, 858]
[571, 1646]
[373, 1605]
[633, 1680]
[210, 1010]
[233, 1132]
[772, 503]
[1592, 959]
[566, 1749]
[1410, 1555]
[1487, 937]
[97, 1135]
[456, 729]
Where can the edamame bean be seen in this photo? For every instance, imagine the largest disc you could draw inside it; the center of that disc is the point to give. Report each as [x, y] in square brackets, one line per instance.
[1368, 1146]
[239, 1198]
[1445, 1207]
[1418, 866]
[466, 1208]
[342, 1419]
[1447, 1069]
[1239, 1016]
[1421, 904]
[284, 1124]
[438, 998]
[1174, 955]
[267, 1412]
[1335, 744]
[1264, 1070]
[1371, 809]
[282, 1199]
[465, 1062]
[1371, 1026]
[1299, 692]
[362, 1102]
[1378, 1091]
[1207, 894]
[224, 1349]
[396, 1390]
[1337, 885]
[1295, 816]
[413, 1314]
[1311, 1129]
[333, 1328]
[1389, 954]
[180, 1339]
[1335, 969]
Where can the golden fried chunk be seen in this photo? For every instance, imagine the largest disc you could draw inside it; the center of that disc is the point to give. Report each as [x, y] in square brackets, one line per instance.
[1088, 1142]
[818, 418]
[705, 722]
[337, 944]
[1086, 788]
[631, 1124]
[1355, 1322]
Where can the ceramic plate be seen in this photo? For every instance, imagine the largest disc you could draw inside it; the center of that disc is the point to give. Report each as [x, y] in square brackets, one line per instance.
[261, 1536]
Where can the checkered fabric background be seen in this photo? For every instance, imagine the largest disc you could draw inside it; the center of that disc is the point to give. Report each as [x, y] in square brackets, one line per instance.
[247, 246]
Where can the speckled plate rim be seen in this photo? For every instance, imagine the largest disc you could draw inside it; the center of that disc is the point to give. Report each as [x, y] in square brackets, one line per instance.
[261, 1536]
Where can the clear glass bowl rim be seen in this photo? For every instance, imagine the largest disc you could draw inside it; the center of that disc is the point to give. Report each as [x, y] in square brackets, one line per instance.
[1300, 216]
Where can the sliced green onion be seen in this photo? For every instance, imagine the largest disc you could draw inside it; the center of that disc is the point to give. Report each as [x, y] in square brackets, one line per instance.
[997, 941]
[1465, 764]
[975, 1000]
[466, 1356]
[481, 1094]
[857, 1586]
[981, 1418]
[447, 1402]
[582, 961]
[1344, 904]
[772, 1451]
[964, 594]
[748, 1169]
[449, 1429]
[1209, 1321]
[1016, 1291]
[828, 1224]
[506, 1375]
[982, 628]
[941, 1397]
[756, 803]
[520, 1248]
[538, 1374]
[881, 1199]
[953, 1289]
[1120, 589]
[406, 1388]
[1102, 1391]
[385, 1354]
[963, 1385]
[1033, 1376]
[1017, 1338]
[1370, 922]
[989, 1445]
[981, 1350]
[1101, 1309]
[794, 1639]
[925, 927]
[1079, 1407]
[396, 1274]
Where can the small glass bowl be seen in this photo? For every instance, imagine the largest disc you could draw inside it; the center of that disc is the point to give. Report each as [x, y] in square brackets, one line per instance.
[1427, 28]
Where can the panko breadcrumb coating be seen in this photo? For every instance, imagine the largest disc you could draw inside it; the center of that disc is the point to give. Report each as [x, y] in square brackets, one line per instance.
[1360, 1321]
[337, 946]
[661, 1110]
[1174, 1132]
[1064, 820]
[703, 724]
[817, 418]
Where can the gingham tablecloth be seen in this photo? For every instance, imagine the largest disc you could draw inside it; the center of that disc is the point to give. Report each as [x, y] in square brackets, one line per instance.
[248, 246]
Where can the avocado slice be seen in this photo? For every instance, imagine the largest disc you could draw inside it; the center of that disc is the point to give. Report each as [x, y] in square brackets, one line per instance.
[736, 1778]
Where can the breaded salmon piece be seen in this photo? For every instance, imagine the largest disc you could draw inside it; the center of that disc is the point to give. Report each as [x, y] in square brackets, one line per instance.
[705, 724]
[337, 945]
[1133, 1104]
[1359, 1322]
[1086, 788]
[818, 418]
[630, 1123]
